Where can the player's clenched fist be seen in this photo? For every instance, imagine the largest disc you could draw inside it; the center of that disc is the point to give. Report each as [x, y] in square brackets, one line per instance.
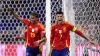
[10, 9]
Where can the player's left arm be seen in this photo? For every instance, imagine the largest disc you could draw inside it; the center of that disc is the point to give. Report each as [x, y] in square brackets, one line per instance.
[42, 35]
[43, 39]
[80, 33]
[83, 35]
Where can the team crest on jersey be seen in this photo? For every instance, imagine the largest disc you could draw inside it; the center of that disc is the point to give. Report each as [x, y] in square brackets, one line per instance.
[64, 29]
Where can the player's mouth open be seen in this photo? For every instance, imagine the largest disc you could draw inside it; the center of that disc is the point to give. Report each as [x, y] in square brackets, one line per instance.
[59, 20]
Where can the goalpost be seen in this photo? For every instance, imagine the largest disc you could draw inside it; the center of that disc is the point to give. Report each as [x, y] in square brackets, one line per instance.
[48, 25]
[69, 16]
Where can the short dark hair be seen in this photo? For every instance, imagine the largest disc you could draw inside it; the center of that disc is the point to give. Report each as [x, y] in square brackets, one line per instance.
[60, 11]
[35, 14]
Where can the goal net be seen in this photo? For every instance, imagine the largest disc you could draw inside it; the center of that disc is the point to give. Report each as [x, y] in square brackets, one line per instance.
[84, 14]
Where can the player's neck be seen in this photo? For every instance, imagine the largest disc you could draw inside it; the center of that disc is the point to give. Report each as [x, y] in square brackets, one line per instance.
[60, 22]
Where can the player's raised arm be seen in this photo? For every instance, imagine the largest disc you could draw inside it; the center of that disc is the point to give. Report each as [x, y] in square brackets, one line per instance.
[14, 13]
[25, 21]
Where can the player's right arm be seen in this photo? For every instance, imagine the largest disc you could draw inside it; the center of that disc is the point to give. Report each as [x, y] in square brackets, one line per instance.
[14, 14]
[25, 21]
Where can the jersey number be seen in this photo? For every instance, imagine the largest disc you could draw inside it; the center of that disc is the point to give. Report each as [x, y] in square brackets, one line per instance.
[32, 34]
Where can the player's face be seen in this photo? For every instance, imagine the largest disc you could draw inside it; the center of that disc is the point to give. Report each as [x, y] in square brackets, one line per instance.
[59, 17]
[33, 19]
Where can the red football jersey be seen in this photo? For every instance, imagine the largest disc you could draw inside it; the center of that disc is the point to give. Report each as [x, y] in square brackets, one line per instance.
[33, 32]
[60, 35]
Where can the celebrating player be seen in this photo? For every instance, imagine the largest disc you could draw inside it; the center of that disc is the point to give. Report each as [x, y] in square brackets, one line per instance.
[60, 36]
[35, 33]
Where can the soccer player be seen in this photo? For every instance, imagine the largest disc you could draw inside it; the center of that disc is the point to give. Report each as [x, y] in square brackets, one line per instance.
[35, 33]
[60, 36]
